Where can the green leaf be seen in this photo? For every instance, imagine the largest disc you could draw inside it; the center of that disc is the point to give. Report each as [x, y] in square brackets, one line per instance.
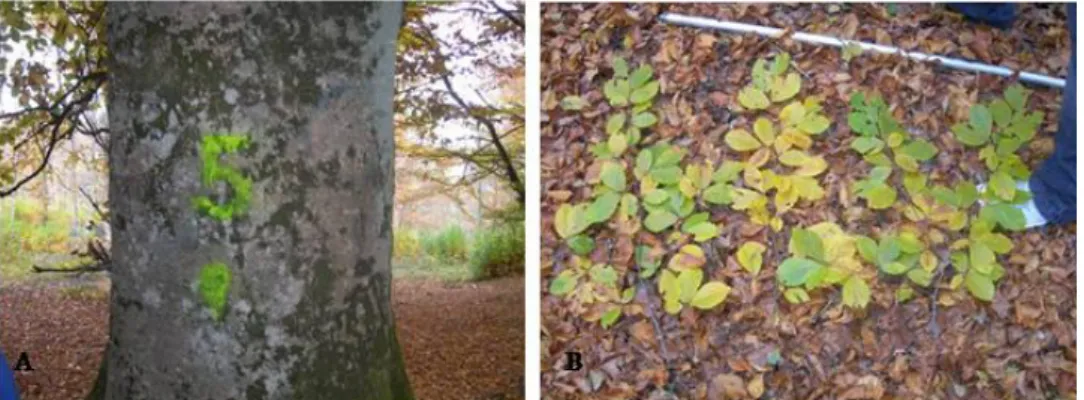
[615, 123]
[796, 295]
[645, 93]
[741, 140]
[867, 248]
[573, 103]
[967, 193]
[563, 283]
[794, 271]
[997, 242]
[894, 268]
[969, 136]
[621, 67]
[880, 174]
[603, 207]
[904, 293]
[920, 277]
[610, 316]
[644, 119]
[981, 121]
[861, 123]
[867, 144]
[751, 256]
[704, 231]
[804, 243]
[919, 149]
[1016, 96]
[727, 172]
[1001, 113]
[669, 156]
[780, 64]
[617, 92]
[888, 251]
[1005, 215]
[1003, 185]
[753, 99]
[643, 162]
[880, 197]
[718, 193]
[641, 76]
[657, 197]
[581, 245]
[689, 280]
[710, 295]
[603, 275]
[981, 256]
[617, 144]
[980, 286]
[856, 292]
[785, 88]
[658, 220]
[815, 124]
[613, 176]
[667, 175]
[570, 220]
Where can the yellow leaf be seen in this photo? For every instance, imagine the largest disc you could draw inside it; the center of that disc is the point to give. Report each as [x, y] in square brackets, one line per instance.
[744, 199]
[688, 280]
[906, 162]
[793, 158]
[814, 166]
[740, 140]
[689, 257]
[792, 114]
[668, 282]
[759, 158]
[764, 130]
[753, 99]
[807, 187]
[686, 187]
[796, 138]
[928, 260]
[776, 224]
[751, 256]
[785, 199]
[956, 281]
[756, 386]
[895, 139]
[753, 178]
[785, 88]
[710, 295]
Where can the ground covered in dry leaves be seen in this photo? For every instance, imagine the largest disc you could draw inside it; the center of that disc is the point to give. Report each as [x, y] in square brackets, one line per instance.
[938, 345]
[460, 340]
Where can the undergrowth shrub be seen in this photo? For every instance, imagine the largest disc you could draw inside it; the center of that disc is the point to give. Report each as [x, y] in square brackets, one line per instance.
[406, 245]
[448, 245]
[498, 251]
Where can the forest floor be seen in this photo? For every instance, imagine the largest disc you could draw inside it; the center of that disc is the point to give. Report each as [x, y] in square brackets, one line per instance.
[460, 340]
[889, 339]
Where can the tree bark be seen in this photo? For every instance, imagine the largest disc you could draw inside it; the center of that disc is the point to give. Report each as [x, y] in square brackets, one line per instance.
[276, 285]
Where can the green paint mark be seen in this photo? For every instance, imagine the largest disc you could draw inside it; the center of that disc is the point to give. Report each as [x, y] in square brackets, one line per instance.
[214, 284]
[211, 148]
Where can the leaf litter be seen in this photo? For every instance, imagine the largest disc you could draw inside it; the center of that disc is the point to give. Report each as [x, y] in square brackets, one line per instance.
[756, 344]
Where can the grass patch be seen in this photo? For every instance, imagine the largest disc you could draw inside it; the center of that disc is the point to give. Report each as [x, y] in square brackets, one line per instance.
[498, 251]
[429, 268]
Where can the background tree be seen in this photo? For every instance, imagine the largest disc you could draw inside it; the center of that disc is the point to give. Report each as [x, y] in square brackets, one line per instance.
[277, 283]
[428, 97]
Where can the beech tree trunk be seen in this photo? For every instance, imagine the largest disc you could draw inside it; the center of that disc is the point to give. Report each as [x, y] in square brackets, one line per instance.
[251, 186]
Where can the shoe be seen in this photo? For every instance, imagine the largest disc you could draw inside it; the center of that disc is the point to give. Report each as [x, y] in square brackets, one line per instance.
[1033, 218]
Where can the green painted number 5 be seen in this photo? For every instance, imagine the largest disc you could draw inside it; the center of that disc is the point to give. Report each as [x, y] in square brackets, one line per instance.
[211, 148]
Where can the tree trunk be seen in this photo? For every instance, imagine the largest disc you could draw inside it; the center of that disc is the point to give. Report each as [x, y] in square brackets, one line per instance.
[251, 187]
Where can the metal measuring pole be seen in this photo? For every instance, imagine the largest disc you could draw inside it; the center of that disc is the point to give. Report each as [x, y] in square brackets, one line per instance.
[955, 63]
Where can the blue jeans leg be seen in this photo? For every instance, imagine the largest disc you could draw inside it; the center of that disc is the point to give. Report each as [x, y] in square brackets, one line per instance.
[1053, 185]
